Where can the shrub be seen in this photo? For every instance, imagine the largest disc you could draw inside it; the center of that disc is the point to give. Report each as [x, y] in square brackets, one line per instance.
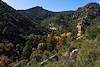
[27, 50]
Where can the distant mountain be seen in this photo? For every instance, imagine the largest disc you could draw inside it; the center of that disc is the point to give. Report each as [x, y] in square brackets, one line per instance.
[37, 13]
[16, 24]
[42, 16]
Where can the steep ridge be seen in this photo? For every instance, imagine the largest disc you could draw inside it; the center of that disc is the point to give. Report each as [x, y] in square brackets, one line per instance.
[14, 25]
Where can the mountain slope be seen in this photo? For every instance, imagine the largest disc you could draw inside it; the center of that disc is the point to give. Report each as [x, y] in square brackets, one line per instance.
[75, 33]
[14, 25]
[37, 13]
[65, 21]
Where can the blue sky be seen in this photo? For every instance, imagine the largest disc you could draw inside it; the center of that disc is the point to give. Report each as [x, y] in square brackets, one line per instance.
[52, 5]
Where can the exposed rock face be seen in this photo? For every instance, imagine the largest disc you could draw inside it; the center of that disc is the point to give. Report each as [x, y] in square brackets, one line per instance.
[85, 15]
[91, 10]
[79, 27]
